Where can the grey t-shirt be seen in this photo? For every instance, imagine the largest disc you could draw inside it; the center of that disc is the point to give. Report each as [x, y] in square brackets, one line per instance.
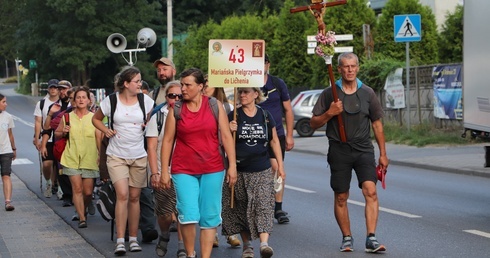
[360, 109]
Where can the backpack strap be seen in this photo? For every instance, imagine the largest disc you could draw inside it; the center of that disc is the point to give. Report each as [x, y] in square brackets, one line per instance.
[155, 93]
[113, 100]
[141, 100]
[41, 104]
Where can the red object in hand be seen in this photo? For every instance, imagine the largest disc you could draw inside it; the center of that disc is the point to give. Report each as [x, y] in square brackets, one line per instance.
[381, 175]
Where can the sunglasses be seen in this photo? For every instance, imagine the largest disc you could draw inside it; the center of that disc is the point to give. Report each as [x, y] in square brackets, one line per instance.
[173, 96]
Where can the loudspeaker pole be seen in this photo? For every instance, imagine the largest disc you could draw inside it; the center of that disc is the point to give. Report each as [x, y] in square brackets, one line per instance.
[170, 36]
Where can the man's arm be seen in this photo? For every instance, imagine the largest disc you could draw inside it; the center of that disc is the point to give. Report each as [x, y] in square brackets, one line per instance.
[289, 115]
[37, 131]
[380, 139]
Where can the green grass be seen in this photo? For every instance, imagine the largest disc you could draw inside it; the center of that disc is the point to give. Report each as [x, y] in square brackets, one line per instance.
[426, 134]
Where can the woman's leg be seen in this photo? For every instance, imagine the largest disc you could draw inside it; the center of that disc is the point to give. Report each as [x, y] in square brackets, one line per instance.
[122, 194]
[88, 189]
[7, 188]
[133, 210]
[76, 186]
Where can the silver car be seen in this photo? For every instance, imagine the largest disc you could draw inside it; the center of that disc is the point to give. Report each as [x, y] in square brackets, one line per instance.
[302, 106]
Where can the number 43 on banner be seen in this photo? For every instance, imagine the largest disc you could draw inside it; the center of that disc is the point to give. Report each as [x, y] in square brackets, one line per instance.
[236, 63]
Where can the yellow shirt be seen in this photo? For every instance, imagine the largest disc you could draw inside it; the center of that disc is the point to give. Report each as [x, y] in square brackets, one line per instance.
[81, 149]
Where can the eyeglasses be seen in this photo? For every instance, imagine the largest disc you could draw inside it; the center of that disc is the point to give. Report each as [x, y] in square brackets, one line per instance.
[174, 96]
[138, 81]
[244, 91]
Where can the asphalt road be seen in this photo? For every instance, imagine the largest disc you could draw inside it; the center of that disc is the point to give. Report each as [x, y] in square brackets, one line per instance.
[424, 213]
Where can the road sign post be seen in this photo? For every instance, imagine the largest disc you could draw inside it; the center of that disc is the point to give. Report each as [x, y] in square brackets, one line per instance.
[407, 28]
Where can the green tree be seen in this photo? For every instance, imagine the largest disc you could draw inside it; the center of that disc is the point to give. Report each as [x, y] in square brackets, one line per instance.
[451, 37]
[423, 52]
[287, 50]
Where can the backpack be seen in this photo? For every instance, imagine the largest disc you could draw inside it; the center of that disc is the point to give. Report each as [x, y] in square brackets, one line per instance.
[106, 204]
[275, 83]
[156, 111]
[113, 100]
[213, 104]
[59, 145]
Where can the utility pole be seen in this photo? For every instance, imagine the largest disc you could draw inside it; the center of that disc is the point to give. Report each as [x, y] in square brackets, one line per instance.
[170, 36]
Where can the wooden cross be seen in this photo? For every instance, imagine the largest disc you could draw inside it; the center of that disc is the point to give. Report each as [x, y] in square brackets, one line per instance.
[317, 8]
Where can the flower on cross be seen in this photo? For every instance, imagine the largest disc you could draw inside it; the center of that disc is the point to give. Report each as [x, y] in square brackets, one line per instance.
[326, 44]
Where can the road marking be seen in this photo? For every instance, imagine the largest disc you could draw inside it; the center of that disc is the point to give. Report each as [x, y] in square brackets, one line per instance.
[299, 189]
[478, 232]
[400, 213]
[21, 162]
[22, 121]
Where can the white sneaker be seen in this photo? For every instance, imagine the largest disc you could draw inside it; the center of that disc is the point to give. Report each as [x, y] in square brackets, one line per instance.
[59, 194]
[47, 192]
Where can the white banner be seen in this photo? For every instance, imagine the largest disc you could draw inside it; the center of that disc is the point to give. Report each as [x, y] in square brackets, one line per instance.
[395, 91]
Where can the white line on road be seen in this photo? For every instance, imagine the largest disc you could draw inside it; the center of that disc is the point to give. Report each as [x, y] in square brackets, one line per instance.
[298, 189]
[478, 232]
[23, 121]
[21, 162]
[400, 213]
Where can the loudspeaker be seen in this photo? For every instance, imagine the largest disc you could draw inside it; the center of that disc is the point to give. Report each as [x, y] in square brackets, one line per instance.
[147, 37]
[116, 43]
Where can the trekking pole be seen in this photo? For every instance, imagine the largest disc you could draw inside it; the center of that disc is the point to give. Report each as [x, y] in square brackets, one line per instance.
[40, 171]
[232, 198]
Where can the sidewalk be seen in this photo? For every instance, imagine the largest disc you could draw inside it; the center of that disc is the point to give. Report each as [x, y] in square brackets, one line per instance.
[34, 230]
[461, 159]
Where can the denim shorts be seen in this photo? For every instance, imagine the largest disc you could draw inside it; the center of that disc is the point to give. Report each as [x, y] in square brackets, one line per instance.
[6, 163]
[199, 198]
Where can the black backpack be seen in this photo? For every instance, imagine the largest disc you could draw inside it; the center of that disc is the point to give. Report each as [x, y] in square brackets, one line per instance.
[106, 204]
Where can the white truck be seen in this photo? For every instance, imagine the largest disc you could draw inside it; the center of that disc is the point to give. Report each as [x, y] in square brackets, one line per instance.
[476, 71]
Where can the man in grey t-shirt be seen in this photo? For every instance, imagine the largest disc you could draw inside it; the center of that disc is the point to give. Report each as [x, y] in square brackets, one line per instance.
[360, 109]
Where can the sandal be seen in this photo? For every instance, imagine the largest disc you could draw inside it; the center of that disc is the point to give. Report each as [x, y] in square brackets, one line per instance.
[248, 252]
[161, 247]
[281, 216]
[9, 207]
[181, 253]
[82, 224]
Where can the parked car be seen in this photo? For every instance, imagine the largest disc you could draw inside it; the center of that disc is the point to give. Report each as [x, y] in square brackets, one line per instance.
[302, 106]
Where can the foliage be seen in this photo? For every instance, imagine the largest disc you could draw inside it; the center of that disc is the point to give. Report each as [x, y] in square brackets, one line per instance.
[423, 52]
[287, 48]
[374, 72]
[424, 134]
[451, 37]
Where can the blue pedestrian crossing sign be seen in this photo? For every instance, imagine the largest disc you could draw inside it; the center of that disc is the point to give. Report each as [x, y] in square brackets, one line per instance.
[407, 27]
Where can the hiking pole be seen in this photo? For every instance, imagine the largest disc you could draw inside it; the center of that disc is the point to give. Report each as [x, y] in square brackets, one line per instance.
[232, 198]
[40, 171]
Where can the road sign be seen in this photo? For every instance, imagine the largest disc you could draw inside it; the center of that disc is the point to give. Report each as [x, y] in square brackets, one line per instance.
[407, 27]
[312, 43]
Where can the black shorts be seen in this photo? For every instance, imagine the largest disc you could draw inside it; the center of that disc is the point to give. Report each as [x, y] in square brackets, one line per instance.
[282, 142]
[49, 148]
[342, 159]
[6, 163]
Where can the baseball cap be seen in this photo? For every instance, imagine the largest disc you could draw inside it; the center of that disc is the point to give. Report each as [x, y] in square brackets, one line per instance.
[53, 83]
[381, 175]
[165, 61]
[64, 84]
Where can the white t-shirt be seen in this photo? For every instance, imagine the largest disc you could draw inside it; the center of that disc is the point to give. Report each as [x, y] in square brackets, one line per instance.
[6, 122]
[152, 131]
[128, 124]
[44, 113]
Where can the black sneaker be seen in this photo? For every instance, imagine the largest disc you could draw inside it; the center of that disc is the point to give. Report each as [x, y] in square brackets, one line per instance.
[373, 246]
[149, 236]
[347, 244]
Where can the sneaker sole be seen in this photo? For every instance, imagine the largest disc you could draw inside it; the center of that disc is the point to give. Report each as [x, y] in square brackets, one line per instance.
[381, 248]
[346, 250]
